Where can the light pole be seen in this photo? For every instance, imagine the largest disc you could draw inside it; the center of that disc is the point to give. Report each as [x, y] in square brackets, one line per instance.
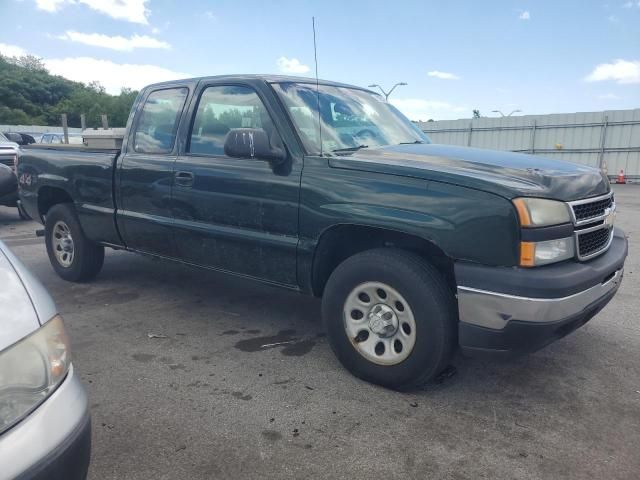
[386, 94]
[502, 114]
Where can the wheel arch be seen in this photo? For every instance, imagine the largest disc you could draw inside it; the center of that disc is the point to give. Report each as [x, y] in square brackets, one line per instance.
[48, 196]
[339, 242]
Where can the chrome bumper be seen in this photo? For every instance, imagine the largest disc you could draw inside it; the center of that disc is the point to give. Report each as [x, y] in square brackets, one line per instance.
[495, 310]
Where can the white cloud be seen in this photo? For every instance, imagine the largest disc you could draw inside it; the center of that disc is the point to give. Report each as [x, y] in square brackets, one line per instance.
[49, 5]
[291, 65]
[631, 4]
[443, 75]
[12, 50]
[155, 30]
[525, 15]
[210, 15]
[133, 11]
[421, 109]
[613, 19]
[608, 96]
[114, 43]
[113, 76]
[621, 71]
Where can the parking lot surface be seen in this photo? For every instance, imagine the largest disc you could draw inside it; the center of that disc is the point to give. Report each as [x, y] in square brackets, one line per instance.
[194, 375]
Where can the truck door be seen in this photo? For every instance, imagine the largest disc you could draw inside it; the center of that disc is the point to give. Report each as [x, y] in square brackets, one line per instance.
[235, 214]
[146, 173]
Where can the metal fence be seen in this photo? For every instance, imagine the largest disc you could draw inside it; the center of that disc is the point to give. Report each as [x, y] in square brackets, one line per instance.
[609, 140]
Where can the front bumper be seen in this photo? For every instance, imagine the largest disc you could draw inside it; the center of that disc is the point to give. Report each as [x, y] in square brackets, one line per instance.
[8, 187]
[9, 199]
[54, 441]
[505, 311]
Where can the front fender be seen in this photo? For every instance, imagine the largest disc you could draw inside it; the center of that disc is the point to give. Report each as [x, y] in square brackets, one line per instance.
[465, 223]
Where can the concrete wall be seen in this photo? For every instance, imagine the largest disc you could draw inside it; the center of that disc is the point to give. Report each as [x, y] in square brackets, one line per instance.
[36, 129]
[609, 140]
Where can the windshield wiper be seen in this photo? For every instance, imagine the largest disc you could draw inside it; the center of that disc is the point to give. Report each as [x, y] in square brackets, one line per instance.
[350, 149]
[411, 143]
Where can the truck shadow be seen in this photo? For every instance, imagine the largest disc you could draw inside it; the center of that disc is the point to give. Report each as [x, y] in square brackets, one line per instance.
[252, 317]
[9, 216]
[255, 316]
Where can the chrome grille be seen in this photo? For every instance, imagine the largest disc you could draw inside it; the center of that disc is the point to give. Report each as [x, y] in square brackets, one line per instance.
[593, 219]
[7, 156]
[592, 209]
[591, 243]
[9, 162]
[587, 211]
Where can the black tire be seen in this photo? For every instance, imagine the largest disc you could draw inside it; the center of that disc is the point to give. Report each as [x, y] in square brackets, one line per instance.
[88, 257]
[429, 298]
[22, 213]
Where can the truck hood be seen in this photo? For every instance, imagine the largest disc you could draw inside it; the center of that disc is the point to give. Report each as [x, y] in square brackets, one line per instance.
[505, 173]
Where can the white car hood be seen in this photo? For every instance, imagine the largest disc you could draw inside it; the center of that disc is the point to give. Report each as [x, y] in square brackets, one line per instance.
[24, 303]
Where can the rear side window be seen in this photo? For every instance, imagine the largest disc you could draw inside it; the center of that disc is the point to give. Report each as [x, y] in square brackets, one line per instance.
[158, 124]
[220, 110]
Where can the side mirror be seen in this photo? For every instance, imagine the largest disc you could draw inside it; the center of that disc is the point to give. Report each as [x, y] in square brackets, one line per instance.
[254, 143]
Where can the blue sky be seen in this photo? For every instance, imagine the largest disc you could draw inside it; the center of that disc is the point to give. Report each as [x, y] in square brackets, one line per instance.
[537, 56]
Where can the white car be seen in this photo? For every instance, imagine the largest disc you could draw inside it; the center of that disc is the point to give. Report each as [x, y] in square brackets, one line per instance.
[9, 152]
[58, 138]
[45, 428]
[9, 155]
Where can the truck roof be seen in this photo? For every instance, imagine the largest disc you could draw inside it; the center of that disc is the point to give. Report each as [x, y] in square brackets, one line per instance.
[263, 77]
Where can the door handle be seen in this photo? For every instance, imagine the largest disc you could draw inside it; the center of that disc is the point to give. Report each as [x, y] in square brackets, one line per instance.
[184, 179]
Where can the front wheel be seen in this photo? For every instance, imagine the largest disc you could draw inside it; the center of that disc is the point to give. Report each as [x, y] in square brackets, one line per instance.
[390, 318]
[73, 256]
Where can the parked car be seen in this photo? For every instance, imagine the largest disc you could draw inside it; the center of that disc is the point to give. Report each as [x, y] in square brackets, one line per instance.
[9, 153]
[45, 428]
[20, 138]
[58, 138]
[328, 190]
[8, 186]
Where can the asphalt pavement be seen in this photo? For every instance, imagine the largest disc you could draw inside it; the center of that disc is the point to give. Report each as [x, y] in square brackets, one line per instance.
[196, 375]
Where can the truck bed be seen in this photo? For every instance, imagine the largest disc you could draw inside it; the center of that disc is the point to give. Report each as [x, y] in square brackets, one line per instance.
[70, 146]
[83, 174]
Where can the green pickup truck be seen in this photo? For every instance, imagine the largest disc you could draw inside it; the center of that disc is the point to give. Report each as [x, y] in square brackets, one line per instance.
[416, 249]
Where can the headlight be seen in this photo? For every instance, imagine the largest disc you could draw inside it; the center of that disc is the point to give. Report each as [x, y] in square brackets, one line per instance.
[533, 254]
[540, 212]
[31, 369]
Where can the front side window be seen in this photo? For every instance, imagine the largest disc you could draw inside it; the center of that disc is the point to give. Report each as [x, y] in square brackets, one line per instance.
[220, 110]
[158, 124]
[348, 118]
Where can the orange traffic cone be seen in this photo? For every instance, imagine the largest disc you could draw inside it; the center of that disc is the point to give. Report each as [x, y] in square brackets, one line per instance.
[621, 177]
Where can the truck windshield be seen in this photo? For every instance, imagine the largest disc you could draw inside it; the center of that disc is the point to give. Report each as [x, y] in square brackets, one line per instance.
[351, 119]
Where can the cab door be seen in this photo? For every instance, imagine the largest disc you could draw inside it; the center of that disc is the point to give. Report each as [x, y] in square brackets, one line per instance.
[145, 173]
[235, 214]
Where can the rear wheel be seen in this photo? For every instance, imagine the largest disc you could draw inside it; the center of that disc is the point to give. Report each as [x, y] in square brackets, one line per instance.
[22, 212]
[73, 256]
[390, 318]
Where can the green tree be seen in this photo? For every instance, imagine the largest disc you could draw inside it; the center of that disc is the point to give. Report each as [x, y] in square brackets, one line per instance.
[29, 95]
[30, 62]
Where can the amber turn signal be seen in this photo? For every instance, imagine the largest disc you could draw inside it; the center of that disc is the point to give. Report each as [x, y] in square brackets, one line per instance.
[523, 212]
[527, 254]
